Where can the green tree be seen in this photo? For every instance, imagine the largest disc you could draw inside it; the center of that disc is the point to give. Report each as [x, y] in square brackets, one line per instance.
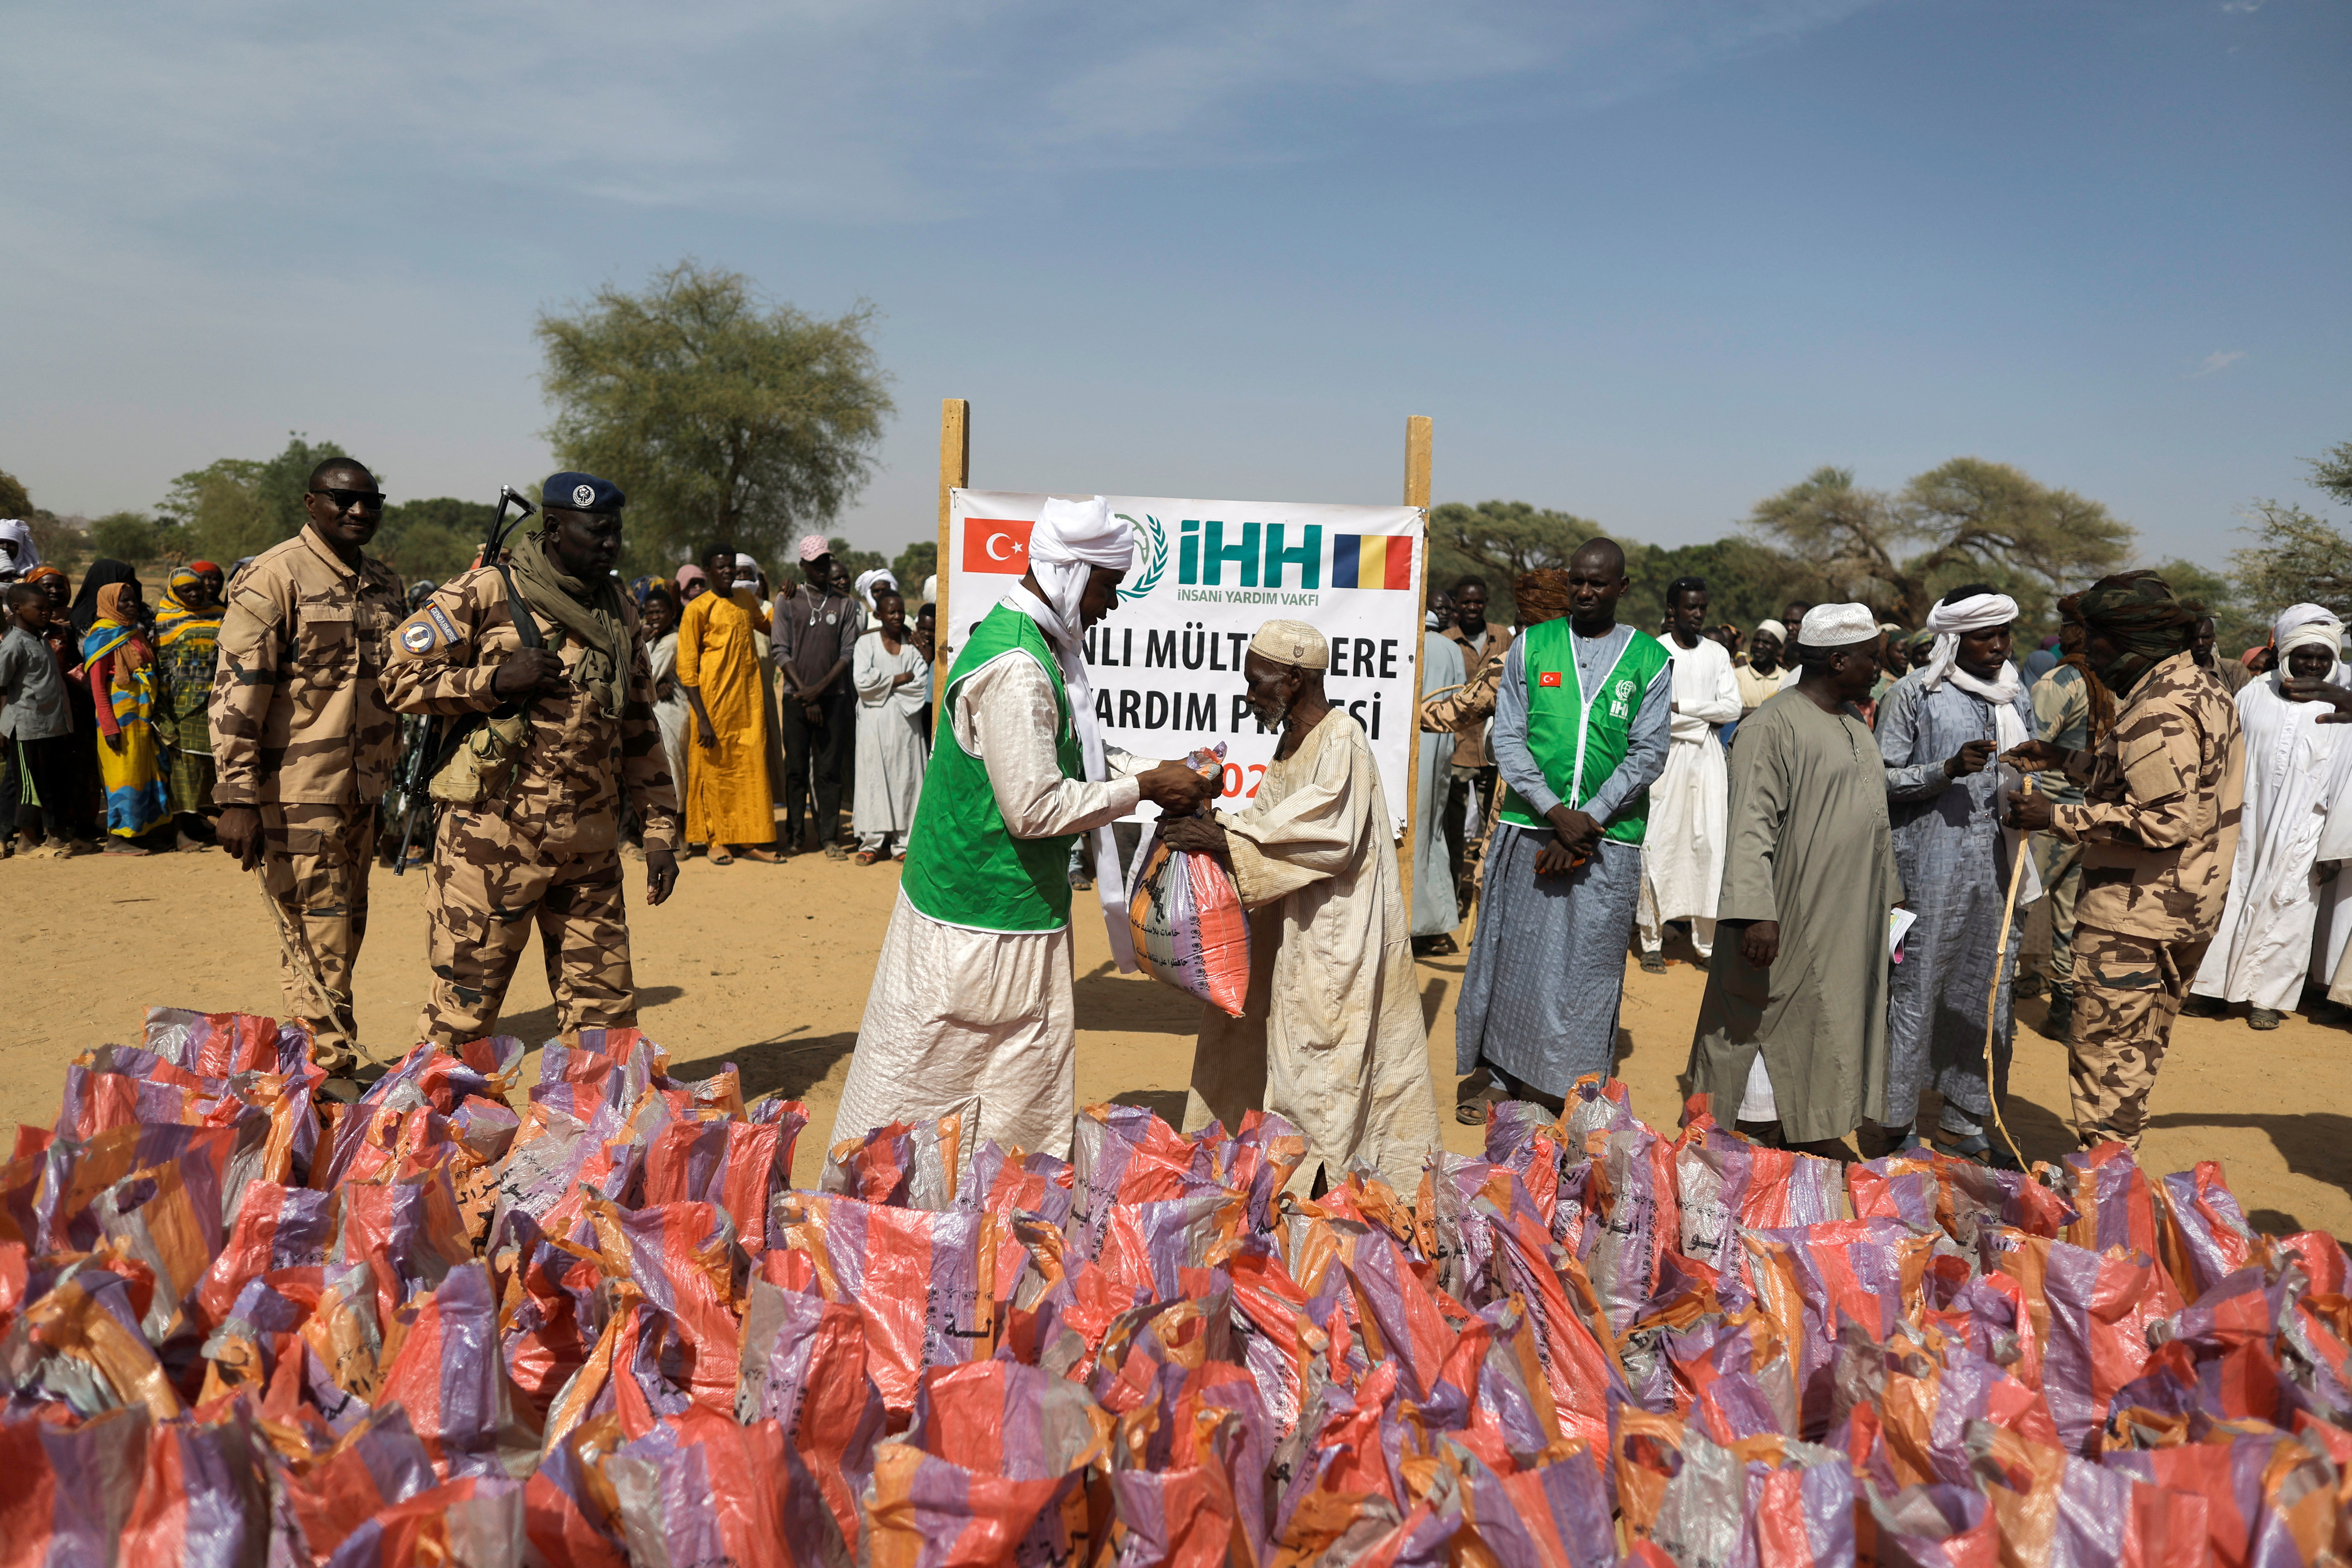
[1498, 540]
[435, 538]
[135, 538]
[1747, 581]
[723, 416]
[1977, 521]
[14, 500]
[241, 506]
[2299, 557]
[857, 561]
[919, 559]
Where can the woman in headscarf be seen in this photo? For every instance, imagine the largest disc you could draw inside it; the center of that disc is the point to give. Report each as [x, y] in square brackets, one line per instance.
[187, 643]
[2298, 783]
[692, 583]
[671, 709]
[121, 669]
[103, 573]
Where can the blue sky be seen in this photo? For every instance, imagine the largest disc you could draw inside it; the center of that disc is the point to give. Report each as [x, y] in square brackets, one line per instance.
[1642, 261]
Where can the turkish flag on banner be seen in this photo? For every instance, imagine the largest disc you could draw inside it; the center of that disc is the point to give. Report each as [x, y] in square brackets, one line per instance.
[996, 544]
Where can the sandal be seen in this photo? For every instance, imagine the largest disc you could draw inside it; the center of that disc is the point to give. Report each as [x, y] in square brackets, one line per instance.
[765, 856]
[1978, 1148]
[865, 857]
[720, 858]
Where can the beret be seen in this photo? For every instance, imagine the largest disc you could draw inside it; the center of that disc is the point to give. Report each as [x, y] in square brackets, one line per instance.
[582, 492]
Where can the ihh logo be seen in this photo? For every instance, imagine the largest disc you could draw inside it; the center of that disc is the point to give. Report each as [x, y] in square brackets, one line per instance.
[1257, 555]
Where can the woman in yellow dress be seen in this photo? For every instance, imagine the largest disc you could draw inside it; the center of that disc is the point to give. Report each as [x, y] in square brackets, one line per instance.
[728, 805]
[121, 669]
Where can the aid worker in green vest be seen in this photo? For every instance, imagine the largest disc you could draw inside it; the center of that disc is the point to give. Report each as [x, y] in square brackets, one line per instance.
[1580, 734]
[971, 997]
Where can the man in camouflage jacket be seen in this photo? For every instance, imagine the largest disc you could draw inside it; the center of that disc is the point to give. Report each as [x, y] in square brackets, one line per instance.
[2159, 829]
[544, 847]
[303, 745]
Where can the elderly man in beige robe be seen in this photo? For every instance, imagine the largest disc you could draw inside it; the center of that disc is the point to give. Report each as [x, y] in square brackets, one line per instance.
[1331, 1037]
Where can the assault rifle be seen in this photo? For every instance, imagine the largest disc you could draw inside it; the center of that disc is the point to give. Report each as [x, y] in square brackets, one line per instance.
[442, 736]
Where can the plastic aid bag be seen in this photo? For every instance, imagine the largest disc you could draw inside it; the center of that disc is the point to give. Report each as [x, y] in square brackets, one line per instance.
[1187, 919]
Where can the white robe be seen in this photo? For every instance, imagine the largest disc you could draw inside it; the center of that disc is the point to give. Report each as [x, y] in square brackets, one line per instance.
[955, 1013]
[1681, 853]
[673, 713]
[1331, 1037]
[891, 744]
[2298, 772]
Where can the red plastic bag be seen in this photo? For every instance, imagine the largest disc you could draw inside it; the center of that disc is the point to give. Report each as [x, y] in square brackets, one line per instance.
[1189, 929]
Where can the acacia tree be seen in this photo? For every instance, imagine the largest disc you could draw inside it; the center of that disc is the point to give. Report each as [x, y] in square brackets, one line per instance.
[722, 415]
[2300, 558]
[1975, 520]
[1497, 540]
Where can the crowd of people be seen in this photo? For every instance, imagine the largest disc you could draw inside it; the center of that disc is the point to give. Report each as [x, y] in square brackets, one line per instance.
[1849, 800]
[1873, 841]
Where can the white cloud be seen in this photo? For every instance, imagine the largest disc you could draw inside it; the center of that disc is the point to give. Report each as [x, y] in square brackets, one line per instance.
[2241, 7]
[2213, 364]
[881, 108]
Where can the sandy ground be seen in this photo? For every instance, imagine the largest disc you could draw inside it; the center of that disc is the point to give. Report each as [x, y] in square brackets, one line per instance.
[767, 966]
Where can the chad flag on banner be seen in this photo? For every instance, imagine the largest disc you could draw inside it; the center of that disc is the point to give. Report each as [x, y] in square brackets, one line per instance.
[996, 544]
[1371, 561]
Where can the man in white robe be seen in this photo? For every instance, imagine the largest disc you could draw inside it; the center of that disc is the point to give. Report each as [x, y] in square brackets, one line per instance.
[893, 681]
[1331, 1037]
[970, 995]
[1682, 857]
[2298, 777]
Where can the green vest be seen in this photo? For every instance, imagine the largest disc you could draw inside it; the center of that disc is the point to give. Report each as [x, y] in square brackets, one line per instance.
[964, 868]
[1579, 747]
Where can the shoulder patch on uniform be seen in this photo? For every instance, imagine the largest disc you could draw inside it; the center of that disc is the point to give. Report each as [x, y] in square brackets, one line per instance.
[416, 637]
[441, 622]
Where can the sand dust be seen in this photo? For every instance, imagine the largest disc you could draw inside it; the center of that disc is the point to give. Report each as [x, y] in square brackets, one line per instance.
[767, 966]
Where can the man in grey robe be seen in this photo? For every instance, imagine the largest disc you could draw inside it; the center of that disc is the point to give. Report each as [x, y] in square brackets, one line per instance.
[1792, 1030]
[1547, 968]
[1938, 728]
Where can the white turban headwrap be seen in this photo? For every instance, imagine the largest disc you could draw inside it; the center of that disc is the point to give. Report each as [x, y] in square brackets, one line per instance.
[867, 581]
[1837, 625]
[1981, 612]
[20, 533]
[1977, 613]
[2307, 625]
[1070, 539]
[1292, 642]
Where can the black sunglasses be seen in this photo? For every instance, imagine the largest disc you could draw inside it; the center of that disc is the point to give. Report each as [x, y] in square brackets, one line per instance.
[366, 500]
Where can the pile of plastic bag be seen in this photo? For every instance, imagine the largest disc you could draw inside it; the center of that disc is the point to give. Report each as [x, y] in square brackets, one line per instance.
[238, 1325]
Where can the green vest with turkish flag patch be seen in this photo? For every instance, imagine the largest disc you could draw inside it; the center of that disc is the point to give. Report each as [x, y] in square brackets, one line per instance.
[1578, 743]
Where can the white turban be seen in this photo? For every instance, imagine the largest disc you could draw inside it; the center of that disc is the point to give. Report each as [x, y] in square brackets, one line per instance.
[867, 581]
[2306, 625]
[1978, 612]
[1772, 629]
[19, 534]
[1070, 539]
[1292, 642]
[1837, 625]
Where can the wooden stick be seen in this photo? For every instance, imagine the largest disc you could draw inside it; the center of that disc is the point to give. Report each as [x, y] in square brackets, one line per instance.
[2000, 963]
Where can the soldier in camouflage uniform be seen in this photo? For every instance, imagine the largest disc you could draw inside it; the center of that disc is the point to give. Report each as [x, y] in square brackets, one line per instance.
[2158, 828]
[543, 846]
[303, 745]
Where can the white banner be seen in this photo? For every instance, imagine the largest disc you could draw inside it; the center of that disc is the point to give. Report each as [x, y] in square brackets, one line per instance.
[1166, 665]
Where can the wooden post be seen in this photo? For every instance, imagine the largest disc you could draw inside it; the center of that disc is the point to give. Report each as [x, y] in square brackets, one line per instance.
[1416, 494]
[955, 473]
